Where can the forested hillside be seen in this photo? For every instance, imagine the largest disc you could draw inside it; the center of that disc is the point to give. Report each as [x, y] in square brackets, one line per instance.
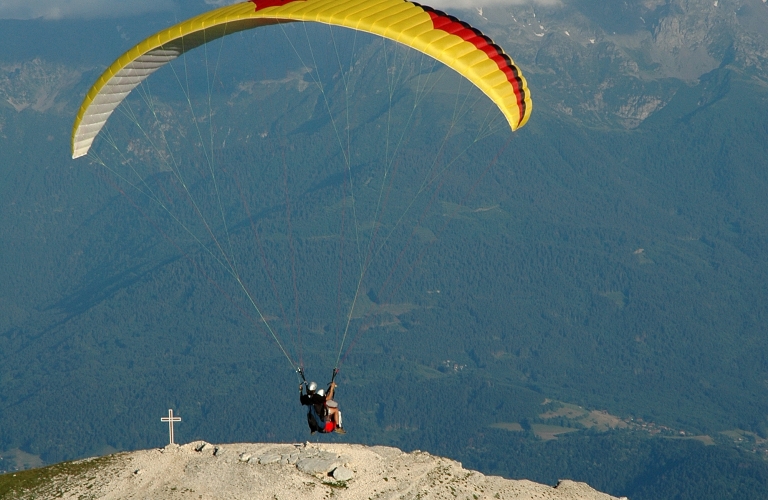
[584, 298]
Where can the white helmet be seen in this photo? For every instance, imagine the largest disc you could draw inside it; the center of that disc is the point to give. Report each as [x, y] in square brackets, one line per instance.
[321, 393]
[312, 387]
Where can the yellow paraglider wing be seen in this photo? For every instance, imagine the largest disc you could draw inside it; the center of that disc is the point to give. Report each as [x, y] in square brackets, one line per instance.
[430, 31]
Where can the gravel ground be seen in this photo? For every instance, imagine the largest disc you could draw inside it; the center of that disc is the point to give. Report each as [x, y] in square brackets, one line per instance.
[205, 471]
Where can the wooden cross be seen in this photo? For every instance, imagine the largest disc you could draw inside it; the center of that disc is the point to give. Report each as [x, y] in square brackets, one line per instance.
[170, 419]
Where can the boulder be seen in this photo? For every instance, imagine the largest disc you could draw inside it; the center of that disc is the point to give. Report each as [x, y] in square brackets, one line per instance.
[269, 458]
[342, 474]
[317, 465]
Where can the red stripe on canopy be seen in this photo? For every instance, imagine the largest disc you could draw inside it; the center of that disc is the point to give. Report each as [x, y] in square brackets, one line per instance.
[449, 24]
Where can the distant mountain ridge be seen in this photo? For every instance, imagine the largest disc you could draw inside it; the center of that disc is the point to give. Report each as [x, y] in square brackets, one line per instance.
[617, 63]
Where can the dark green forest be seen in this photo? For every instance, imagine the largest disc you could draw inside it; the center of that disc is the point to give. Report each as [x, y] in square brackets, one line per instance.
[535, 280]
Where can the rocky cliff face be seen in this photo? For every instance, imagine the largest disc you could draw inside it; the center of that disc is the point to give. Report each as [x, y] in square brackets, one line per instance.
[617, 63]
[280, 471]
[35, 84]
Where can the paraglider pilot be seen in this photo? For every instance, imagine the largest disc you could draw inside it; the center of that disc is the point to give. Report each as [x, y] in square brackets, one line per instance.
[323, 413]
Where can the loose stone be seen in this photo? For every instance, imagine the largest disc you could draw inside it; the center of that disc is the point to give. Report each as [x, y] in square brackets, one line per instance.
[316, 466]
[269, 459]
[342, 474]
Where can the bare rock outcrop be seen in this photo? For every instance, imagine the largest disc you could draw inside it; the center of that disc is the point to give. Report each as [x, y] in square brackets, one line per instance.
[204, 471]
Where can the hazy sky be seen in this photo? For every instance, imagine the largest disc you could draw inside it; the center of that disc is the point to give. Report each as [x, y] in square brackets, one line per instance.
[444, 3]
[466, 4]
[58, 9]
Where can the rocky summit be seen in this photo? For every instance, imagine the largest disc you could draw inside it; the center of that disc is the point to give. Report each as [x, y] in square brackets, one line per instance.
[200, 470]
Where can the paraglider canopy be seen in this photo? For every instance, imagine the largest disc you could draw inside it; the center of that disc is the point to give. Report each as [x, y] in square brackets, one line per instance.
[443, 37]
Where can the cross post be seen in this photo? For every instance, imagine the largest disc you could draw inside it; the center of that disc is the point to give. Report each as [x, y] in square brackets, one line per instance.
[170, 419]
